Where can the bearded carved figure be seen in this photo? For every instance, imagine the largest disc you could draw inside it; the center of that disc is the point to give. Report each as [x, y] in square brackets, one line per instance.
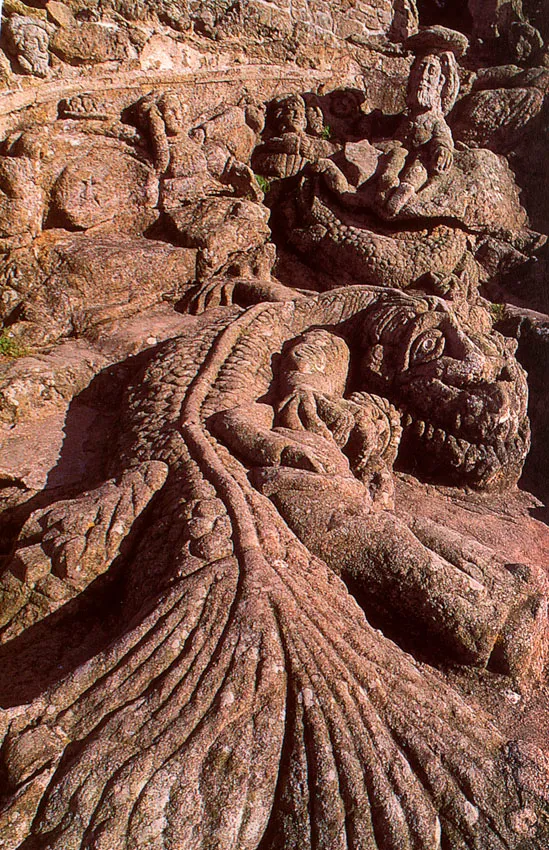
[30, 40]
[261, 447]
[272, 544]
[424, 140]
[393, 210]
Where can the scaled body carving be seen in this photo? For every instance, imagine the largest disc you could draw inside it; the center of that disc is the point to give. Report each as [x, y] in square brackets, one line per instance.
[240, 657]
[412, 209]
[263, 570]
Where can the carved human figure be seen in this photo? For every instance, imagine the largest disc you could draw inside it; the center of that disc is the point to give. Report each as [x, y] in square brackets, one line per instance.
[22, 196]
[236, 127]
[291, 146]
[414, 175]
[311, 421]
[96, 117]
[30, 39]
[188, 169]
[424, 146]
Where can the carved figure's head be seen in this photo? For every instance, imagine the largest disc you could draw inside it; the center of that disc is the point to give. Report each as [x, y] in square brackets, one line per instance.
[425, 83]
[462, 393]
[163, 117]
[346, 103]
[173, 111]
[31, 38]
[433, 82]
[321, 358]
[290, 115]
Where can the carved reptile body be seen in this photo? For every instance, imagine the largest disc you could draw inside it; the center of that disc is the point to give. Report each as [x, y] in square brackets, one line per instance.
[243, 700]
[333, 232]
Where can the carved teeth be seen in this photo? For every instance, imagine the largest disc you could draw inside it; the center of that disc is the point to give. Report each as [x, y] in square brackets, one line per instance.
[462, 453]
[501, 452]
[463, 446]
[458, 453]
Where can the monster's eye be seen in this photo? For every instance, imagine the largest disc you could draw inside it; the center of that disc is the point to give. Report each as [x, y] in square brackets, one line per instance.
[427, 346]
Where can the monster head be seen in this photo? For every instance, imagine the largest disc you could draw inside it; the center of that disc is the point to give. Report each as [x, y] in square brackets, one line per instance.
[461, 392]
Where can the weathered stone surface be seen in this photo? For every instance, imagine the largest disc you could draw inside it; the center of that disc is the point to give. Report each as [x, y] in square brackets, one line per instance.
[29, 39]
[58, 287]
[86, 43]
[267, 580]
[201, 401]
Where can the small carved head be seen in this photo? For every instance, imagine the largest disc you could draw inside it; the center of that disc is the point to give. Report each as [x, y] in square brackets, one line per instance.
[173, 111]
[321, 358]
[30, 38]
[426, 82]
[290, 115]
[346, 103]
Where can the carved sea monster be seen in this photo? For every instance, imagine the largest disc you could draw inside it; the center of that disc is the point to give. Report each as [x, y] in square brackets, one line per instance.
[244, 700]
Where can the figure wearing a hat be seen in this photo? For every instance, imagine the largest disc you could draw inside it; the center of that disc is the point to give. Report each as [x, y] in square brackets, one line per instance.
[423, 147]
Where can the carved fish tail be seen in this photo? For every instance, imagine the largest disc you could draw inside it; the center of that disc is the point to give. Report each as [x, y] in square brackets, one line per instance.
[249, 704]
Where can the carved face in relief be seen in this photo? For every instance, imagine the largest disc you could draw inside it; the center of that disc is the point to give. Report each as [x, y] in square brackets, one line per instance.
[31, 41]
[290, 115]
[173, 113]
[425, 84]
[345, 103]
[462, 394]
[321, 358]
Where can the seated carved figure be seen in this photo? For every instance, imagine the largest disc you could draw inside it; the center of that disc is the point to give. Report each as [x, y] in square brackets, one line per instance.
[291, 146]
[311, 446]
[447, 201]
[234, 657]
[190, 170]
[419, 174]
[424, 145]
[195, 174]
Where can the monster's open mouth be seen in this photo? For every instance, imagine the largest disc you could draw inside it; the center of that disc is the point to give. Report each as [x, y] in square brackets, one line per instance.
[486, 462]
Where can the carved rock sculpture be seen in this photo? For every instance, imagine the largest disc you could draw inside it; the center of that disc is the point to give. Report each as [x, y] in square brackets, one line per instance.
[501, 108]
[271, 577]
[229, 662]
[30, 38]
[73, 300]
[291, 146]
[336, 215]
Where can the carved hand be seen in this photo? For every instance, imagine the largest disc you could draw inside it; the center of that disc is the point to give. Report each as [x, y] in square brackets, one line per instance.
[338, 417]
[443, 159]
[333, 177]
[304, 457]
[299, 411]
[204, 296]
